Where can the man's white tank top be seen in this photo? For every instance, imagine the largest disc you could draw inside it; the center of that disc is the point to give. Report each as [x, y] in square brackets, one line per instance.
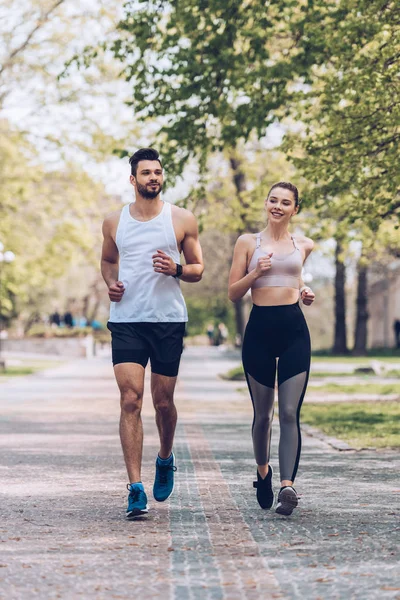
[149, 297]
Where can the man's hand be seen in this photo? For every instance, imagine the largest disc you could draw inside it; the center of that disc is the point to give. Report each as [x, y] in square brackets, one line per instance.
[116, 291]
[307, 296]
[162, 263]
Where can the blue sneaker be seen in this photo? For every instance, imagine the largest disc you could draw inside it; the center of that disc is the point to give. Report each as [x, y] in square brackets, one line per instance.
[164, 479]
[137, 501]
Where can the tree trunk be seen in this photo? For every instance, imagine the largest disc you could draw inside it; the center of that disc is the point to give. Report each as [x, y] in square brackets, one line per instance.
[340, 339]
[360, 333]
[239, 180]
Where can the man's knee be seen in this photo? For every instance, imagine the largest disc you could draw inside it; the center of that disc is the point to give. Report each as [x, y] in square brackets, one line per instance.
[163, 402]
[131, 400]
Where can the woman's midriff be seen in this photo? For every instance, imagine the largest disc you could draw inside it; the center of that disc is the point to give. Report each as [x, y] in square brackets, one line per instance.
[274, 296]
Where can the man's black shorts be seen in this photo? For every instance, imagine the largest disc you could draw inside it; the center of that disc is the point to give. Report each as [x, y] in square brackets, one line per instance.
[137, 342]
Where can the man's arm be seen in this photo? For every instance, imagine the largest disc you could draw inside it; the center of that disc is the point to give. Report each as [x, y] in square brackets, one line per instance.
[110, 262]
[192, 271]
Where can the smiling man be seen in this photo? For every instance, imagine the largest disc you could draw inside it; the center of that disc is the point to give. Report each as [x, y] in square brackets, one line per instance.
[141, 266]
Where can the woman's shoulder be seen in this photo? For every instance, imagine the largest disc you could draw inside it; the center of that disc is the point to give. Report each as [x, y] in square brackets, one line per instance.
[245, 244]
[247, 238]
[304, 241]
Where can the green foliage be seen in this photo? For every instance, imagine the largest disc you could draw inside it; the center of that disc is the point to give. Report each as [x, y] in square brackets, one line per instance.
[215, 83]
[351, 113]
[331, 66]
[214, 310]
[50, 220]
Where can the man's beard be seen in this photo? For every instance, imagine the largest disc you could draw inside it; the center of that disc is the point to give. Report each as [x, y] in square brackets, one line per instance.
[148, 194]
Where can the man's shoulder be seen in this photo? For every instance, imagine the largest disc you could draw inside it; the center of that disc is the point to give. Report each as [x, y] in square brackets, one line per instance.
[110, 222]
[185, 216]
[113, 217]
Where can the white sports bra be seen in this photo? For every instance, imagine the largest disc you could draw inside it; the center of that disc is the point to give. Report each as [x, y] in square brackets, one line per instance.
[285, 270]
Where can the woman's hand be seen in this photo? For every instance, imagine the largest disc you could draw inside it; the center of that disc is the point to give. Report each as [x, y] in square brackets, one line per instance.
[263, 265]
[307, 296]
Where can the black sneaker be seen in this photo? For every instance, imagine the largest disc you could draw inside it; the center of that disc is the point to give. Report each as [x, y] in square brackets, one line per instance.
[287, 500]
[265, 494]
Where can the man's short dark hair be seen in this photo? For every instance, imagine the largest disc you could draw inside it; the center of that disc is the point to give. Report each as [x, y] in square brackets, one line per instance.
[143, 154]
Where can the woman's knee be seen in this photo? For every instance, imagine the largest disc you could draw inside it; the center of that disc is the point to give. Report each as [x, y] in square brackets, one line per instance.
[287, 416]
[263, 422]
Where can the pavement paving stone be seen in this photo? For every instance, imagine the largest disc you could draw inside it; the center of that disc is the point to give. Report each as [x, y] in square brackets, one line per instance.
[62, 478]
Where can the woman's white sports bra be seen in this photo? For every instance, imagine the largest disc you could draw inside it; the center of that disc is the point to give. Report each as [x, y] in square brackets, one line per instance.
[285, 270]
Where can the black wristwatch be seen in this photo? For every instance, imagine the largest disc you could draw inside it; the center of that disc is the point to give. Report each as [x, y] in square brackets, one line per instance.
[179, 270]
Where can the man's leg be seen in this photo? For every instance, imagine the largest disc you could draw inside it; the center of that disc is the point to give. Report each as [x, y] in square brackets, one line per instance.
[162, 387]
[130, 379]
[162, 390]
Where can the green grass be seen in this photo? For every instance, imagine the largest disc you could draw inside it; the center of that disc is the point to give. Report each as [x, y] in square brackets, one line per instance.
[354, 359]
[319, 374]
[357, 388]
[31, 366]
[361, 424]
[237, 374]
[17, 371]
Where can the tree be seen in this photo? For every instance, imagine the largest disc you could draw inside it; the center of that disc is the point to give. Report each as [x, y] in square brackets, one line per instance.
[331, 66]
[351, 112]
[196, 81]
[50, 220]
[50, 208]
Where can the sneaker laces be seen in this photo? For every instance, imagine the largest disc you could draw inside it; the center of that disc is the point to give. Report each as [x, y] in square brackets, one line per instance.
[162, 472]
[134, 492]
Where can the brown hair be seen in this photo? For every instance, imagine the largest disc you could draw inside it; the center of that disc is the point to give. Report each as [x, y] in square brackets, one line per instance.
[143, 154]
[287, 186]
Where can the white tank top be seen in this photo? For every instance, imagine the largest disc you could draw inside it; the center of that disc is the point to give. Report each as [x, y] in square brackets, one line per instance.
[149, 297]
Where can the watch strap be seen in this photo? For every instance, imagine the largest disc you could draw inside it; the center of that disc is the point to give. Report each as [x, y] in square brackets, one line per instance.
[179, 270]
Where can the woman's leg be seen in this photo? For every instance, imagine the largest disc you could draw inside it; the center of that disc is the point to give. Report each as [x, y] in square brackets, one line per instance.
[260, 369]
[293, 371]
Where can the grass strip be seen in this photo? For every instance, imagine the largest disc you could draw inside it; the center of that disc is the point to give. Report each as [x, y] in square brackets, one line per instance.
[355, 359]
[33, 366]
[360, 424]
[11, 371]
[381, 389]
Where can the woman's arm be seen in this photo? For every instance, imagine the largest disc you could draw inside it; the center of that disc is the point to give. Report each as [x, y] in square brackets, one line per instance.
[240, 281]
[307, 296]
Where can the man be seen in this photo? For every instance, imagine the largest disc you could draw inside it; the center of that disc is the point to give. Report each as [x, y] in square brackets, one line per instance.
[141, 266]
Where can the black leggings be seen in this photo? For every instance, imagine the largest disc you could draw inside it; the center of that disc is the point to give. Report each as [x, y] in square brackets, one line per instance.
[277, 332]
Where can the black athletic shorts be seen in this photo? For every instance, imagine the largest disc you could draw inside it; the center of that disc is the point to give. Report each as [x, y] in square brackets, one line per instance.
[137, 342]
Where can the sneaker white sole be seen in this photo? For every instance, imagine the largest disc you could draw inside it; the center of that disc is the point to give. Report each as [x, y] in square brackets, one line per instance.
[137, 512]
[287, 502]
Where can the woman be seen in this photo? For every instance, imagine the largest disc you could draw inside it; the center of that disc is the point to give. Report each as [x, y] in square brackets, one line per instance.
[270, 264]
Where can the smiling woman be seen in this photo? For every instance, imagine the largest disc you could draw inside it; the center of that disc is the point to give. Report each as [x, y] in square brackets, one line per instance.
[269, 263]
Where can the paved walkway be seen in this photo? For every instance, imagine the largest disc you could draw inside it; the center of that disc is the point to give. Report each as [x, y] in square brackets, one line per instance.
[63, 533]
